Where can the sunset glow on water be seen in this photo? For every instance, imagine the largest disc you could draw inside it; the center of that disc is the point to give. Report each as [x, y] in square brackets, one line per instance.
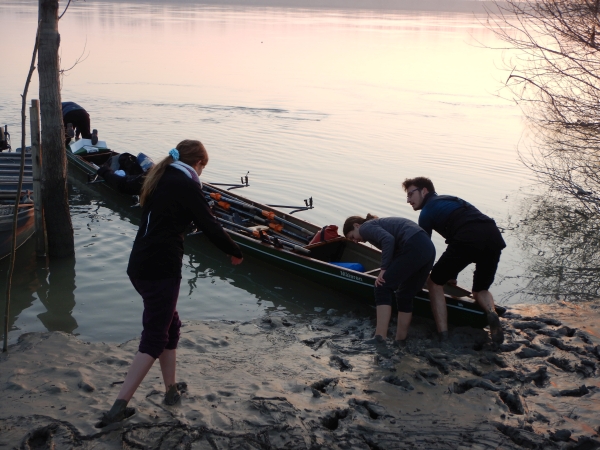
[338, 104]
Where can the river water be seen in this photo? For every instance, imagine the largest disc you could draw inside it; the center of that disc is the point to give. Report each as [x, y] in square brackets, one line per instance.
[340, 103]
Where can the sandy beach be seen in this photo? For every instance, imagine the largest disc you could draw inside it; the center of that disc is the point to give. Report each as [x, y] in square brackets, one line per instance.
[310, 381]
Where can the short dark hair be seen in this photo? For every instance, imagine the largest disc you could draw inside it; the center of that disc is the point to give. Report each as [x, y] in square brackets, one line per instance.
[419, 182]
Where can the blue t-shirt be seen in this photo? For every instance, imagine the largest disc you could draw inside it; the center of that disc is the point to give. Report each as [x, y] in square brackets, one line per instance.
[437, 210]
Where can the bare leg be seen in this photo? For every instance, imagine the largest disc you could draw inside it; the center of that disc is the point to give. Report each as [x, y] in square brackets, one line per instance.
[403, 324]
[140, 366]
[384, 313]
[167, 361]
[486, 301]
[438, 305]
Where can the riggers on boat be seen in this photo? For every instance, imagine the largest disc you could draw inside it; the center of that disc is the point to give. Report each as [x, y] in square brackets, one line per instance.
[283, 240]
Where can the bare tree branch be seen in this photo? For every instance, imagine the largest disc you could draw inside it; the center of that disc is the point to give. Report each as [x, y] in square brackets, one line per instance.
[554, 76]
[11, 267]
[66, 7]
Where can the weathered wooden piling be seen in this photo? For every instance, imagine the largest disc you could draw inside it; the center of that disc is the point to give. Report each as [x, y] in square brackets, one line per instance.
[36, 169]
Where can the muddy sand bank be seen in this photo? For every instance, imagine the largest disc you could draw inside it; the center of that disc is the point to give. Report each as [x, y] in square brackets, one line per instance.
[310, 381]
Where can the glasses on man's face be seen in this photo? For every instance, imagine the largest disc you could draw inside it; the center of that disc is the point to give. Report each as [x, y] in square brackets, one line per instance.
[410, 193]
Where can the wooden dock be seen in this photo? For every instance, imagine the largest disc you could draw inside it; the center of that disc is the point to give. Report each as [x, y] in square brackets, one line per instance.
[10, 164]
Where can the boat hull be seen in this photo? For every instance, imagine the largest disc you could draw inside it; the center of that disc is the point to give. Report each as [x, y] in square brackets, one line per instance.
[461, 311]
[25, 229]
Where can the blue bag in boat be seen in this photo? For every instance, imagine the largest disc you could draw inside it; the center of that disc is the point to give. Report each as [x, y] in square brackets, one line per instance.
[144, 161]
[349, 265]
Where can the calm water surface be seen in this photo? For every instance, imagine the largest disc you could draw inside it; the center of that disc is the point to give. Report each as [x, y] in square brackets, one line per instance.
[337, 104]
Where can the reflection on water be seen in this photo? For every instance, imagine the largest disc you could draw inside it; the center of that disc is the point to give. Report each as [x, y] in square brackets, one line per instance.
[338, 103]
[52, 284]
[562, 240]
[90, 295]
[56, 291]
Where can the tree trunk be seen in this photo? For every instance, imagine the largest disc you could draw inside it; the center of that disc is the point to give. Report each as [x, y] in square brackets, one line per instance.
[59, 228]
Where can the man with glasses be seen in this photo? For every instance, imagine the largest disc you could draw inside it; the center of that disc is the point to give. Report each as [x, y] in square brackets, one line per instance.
[472, 237]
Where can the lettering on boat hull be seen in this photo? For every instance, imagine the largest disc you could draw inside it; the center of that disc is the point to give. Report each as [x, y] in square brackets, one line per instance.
[350, 276]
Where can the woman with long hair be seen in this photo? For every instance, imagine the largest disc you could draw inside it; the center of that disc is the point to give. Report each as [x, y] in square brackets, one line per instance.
[407, 255]
[171, 200]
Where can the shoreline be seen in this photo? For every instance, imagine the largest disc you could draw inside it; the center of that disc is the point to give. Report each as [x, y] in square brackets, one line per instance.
[309, 381]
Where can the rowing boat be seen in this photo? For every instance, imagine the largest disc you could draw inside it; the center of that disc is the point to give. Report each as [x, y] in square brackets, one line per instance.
[10, 166]
[284, 240]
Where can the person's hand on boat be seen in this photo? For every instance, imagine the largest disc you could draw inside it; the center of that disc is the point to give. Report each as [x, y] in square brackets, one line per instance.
[380, 281]
[235, 260]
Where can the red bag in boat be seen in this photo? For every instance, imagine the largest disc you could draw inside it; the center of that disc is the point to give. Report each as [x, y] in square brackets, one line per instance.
[327, 232]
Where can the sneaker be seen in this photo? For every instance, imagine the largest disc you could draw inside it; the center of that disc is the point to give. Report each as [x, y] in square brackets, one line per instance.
[378, 339]
[70, 130]
[118, 413]
[173, 395]
[496, 332]
[401, 343]
[94, 137]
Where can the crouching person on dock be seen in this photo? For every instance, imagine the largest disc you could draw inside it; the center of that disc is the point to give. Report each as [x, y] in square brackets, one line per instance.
[472, 237]
[407, 255]
[77, 122]
[171, 199]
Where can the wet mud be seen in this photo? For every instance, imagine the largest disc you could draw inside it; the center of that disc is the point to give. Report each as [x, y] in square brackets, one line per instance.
[311, 382]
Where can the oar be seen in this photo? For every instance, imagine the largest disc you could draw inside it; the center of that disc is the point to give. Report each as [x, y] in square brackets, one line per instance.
[272, 227]
[260, 236]
[226, 205]
[256, 219]
[268, 214]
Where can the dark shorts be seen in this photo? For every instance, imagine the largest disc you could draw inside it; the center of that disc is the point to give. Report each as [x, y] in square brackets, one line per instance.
[161, 321]
[458, 256]
[81, 122]
[407, 273]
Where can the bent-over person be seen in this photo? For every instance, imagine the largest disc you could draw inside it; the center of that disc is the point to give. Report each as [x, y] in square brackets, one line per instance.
[407, 255]
[472, 237]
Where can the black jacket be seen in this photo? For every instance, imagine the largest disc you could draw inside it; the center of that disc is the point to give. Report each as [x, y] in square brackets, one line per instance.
[158, 248]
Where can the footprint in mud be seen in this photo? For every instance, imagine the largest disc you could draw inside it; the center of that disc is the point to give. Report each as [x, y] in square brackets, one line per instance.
[427, 376]
[332, 420]
[321, 386]
[514, 402]
[577, 392]
[49, 437]
[340, 363]
[532, 352]
[460, 387]
[370, 409]
[400, 382]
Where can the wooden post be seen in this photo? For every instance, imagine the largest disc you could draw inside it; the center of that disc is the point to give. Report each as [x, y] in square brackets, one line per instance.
[36, 166]
[55, 195]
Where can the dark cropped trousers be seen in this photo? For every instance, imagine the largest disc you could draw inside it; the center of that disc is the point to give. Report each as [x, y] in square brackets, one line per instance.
[407, 273]
[81, 122]
[160, 319]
